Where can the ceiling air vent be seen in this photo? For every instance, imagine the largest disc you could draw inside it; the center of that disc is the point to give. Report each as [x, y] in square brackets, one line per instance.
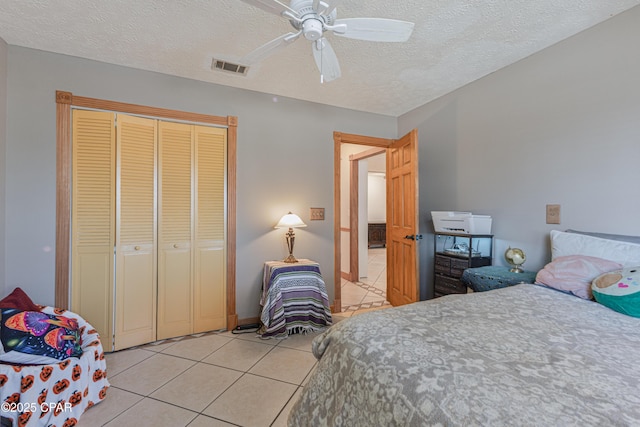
[229, 67]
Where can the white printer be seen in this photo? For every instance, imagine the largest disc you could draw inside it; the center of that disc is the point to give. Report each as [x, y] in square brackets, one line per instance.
[460, 222]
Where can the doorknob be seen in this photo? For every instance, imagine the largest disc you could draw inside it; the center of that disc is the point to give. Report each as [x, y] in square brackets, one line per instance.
[413, 237]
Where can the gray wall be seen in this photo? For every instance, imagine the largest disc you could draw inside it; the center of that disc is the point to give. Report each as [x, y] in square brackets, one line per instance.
[3, 142]
[561, 126]
[558, 127]
[285, 162]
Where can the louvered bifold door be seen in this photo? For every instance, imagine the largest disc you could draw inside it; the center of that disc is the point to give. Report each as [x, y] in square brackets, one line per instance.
[136, 232]
[175, 213]
[92, 221]
[210, 236]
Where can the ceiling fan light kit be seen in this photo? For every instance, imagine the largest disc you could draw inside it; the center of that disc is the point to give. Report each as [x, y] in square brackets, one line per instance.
[312, 29]
[313, 18]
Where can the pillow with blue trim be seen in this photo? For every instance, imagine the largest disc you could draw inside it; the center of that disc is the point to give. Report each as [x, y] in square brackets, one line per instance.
[34, 338]
[619, 290]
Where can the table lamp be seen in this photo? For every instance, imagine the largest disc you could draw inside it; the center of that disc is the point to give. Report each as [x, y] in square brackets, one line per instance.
[290, 221]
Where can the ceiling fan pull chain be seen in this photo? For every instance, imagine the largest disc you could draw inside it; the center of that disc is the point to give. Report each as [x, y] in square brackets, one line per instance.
[321, 45]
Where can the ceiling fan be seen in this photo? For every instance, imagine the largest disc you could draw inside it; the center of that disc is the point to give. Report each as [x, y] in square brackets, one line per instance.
[312, 18]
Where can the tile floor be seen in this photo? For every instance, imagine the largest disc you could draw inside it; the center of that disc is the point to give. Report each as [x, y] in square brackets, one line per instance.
[370, 291]
[220, 378]
[214, 379]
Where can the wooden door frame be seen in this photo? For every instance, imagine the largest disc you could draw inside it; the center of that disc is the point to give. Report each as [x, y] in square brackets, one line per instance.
[64, 102]
[354, 209]
[340, 138]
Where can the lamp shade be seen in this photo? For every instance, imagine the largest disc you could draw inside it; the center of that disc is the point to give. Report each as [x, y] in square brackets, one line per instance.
[290, 220]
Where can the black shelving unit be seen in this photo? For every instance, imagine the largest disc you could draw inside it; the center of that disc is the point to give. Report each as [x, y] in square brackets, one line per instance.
[454, 253]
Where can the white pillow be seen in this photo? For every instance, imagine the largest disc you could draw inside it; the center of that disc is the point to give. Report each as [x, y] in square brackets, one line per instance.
[564, 244]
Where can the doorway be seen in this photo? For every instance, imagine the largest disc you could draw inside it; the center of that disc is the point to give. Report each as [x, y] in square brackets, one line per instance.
[402, 194]
[364, 285]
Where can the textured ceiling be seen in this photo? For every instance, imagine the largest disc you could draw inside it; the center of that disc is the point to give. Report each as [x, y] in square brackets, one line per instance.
[454, 42]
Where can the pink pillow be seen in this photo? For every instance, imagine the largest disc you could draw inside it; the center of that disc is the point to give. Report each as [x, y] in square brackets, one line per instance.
[573, 273]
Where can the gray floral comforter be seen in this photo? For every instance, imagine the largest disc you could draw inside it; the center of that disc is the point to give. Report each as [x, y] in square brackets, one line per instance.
[518, 356]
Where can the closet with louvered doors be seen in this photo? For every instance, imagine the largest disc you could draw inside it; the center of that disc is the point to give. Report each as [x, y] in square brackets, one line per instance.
[156, 189]
[136, 231]
[191, 229]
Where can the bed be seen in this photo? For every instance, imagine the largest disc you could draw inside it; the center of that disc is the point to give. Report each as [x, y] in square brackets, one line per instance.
[53, 393]
[530, 354]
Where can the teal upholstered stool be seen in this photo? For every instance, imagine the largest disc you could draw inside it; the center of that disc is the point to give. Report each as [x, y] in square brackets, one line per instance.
[482, 279]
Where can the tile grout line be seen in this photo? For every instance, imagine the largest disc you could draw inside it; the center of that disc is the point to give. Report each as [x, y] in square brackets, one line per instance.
[285, 405]
[243, 374]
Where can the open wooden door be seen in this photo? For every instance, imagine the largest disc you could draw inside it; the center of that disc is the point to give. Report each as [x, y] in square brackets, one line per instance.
[402, 220]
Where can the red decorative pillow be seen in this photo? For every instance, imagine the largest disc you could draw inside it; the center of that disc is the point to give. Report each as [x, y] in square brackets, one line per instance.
[20, 300]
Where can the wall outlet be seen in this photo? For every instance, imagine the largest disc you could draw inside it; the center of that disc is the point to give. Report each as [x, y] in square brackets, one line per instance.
[553, 214]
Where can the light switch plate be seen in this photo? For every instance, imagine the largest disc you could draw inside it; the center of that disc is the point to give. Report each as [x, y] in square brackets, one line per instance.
[553, 214]
[317, 214]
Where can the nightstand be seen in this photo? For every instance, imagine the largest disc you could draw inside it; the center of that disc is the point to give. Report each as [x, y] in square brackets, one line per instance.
[294, 299]
[482, 279]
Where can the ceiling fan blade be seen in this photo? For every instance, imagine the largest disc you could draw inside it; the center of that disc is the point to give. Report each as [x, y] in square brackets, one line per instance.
[323, 7]
[272, 6]
[269, 48]
[373, 29]
[331, 6]
[326, 60]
